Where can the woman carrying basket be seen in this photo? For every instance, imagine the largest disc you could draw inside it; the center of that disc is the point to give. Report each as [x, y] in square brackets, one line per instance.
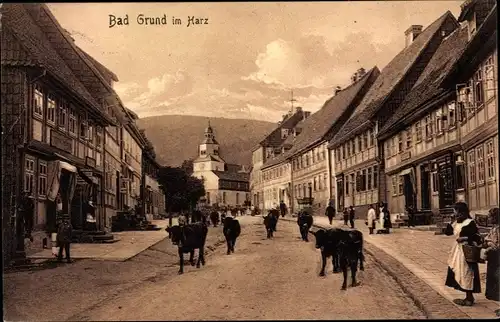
[463, 270]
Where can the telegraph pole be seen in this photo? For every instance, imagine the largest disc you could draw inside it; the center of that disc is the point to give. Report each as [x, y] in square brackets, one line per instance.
[292, 100]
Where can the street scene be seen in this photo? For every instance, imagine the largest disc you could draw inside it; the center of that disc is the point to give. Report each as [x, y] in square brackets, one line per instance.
[250, 161]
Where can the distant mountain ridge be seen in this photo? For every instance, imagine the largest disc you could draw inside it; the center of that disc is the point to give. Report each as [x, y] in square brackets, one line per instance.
[176, 137]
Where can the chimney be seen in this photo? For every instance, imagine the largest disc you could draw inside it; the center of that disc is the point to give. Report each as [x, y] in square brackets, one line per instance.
[306, 115]
[337, 90]
[412, 33]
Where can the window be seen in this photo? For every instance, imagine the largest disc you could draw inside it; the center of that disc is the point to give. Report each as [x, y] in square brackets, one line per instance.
[358, 181]
[375, 177]
[370, 138]
[51, 109]
[478, 88]
[452, 115]
[438, 121]
[400, 185]
[360, 143]
[428, 127]
[393, 146]
[348, 149]
[83, 130]
[418, 131]
[365, 140]
[42, 179]
[400, 142]
[314, 157]
[343, 151]
[460, 176]
[38, 101]
[363, 180]
[394, 182]
[480, 164]
[61, 115]
[347, 185]
[472, 168]
[98, 136]
[72, 121]
[408, 138]
[369, 179]
[435, 182]
[490, 155]
[316, 184]
[489, 78]
[325, 183]
[91, 134]
[29, 175]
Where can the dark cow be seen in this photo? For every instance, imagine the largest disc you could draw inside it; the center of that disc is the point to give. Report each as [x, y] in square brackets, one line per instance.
[270, 222]
[188, 238]
[214, 218]
[304, 221]
[231, 229]
[345, 247]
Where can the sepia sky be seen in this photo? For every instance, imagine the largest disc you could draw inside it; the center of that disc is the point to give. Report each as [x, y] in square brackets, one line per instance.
[244, 63]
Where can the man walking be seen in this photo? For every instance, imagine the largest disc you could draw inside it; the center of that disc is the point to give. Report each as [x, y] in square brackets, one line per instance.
[330, 212]
[351, 216]
[411, 216]
[282, 209]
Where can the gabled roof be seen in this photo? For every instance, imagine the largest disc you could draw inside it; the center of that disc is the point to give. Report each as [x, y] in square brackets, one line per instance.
[33, 40]
[232, 176]
[273, 140]
[209, 158]
[428, 86]
[319, 124]
[391, 76]
[105, 72]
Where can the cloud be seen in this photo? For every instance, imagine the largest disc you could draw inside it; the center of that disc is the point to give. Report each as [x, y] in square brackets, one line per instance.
[126, 90]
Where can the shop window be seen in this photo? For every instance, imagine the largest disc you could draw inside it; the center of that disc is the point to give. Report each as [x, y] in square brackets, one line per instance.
[490, 160]
[394, 183]
[29, 176]
[418, 131]
[38, 101]
[42, 179]
[472, 168]
[51, 109]
[480, 164]
[400, 185]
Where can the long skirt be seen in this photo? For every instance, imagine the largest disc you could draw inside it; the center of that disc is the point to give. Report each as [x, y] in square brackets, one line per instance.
[492, 276]
[476, 284]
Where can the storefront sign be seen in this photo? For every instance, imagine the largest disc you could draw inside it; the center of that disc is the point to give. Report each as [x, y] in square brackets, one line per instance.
[405, 156]
[90, 162]
[60, 141]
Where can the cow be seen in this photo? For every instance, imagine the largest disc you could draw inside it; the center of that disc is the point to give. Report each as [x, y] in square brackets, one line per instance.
[231, 229]
[214, 218]
[270, 222]
[188, 238]
[304, 221]
[346, 248]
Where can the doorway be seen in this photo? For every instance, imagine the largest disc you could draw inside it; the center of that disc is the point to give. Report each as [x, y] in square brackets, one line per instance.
[408, 191]
[425, 186]
[446, 187]
[340, 194]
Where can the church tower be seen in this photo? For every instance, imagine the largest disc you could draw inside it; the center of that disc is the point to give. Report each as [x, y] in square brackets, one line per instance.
[208, 153]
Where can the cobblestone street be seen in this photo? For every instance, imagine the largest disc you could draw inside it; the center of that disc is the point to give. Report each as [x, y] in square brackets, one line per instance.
[263, 279]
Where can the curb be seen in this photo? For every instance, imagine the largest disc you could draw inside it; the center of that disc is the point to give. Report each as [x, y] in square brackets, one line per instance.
[433, 304]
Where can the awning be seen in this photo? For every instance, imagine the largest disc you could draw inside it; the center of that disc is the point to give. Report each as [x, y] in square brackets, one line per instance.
[67, 166]
[405, 172]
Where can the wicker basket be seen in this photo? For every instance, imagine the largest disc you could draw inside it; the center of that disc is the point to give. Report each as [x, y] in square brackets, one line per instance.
[472, 253]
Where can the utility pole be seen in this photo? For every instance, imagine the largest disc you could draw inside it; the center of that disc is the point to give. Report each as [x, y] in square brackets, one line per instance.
[292, 100]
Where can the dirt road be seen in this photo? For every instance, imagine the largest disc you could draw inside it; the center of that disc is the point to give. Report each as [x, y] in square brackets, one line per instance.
[263, 279]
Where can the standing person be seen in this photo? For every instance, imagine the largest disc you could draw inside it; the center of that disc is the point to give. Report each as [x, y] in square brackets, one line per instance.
[463, 275]
[283, 208]
[64, 232]
[330, 212]
[352, 215]
[26, 214]
[182, 220]
[387, 219]
[371, 218]
[411, 216]
[380, 219]
[346, 215]
[491, 253]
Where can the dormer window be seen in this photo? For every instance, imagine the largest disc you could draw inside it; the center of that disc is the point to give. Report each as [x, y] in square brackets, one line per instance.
[284, 133]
